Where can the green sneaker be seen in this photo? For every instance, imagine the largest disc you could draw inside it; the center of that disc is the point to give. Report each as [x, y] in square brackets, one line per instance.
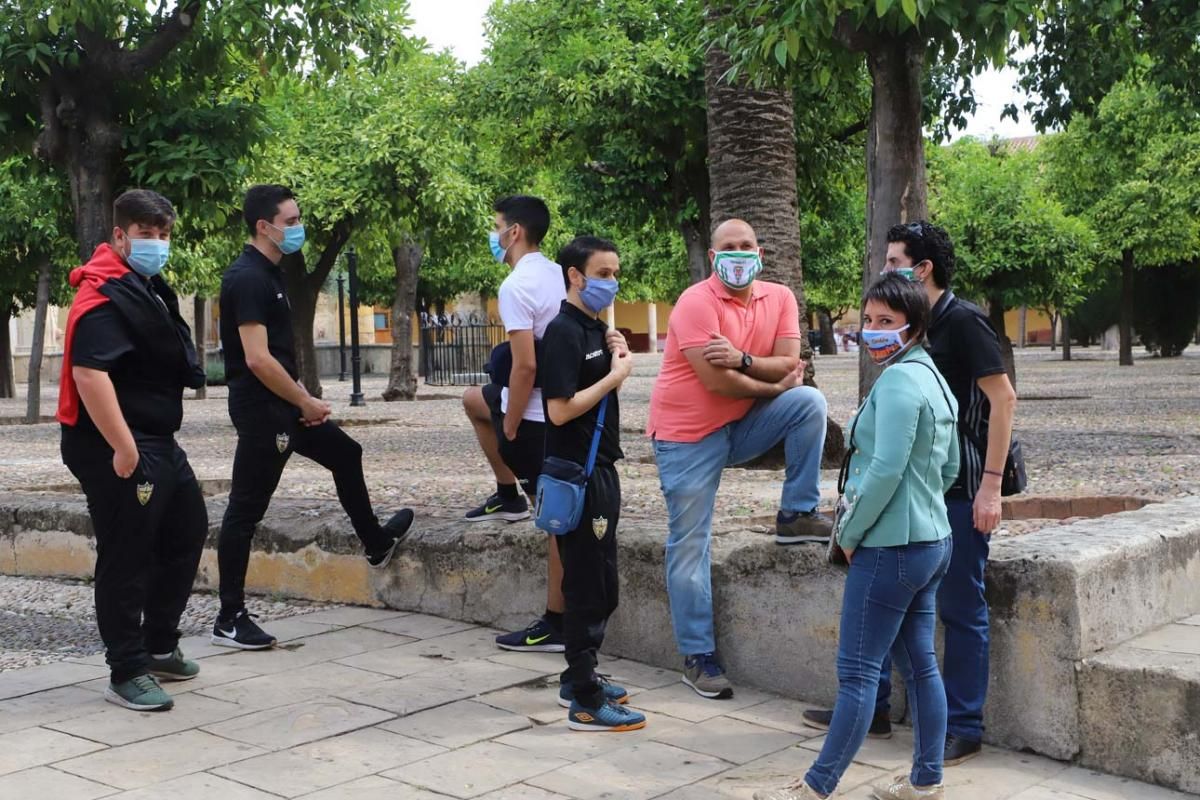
[141, 694]
[174, 668]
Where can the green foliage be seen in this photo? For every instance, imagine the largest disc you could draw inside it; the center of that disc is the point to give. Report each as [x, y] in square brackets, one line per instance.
[1011, 236]
[34, 226]
[1132, 171]
[1167, 307]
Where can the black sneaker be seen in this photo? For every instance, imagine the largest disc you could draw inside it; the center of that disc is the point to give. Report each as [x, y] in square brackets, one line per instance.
[881, 724]
[496, 507]
[397, 529]
[539, 637]
[241, 632]
[959, 750]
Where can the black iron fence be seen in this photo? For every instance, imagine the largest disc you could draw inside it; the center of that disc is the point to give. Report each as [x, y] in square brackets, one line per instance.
[455, 348]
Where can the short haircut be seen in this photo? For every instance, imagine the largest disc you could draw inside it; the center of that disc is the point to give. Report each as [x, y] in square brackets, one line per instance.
[926, 242]
[143, 207]
[907, 297]
[262, 202]
[530, 213]
[576, 253]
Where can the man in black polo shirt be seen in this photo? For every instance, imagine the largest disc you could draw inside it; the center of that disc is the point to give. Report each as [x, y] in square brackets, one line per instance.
[274, 414]
[966, 350]
[584, 365]
[127, 357]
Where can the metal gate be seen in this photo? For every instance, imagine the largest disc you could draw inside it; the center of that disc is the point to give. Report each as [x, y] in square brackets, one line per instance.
[455, 348]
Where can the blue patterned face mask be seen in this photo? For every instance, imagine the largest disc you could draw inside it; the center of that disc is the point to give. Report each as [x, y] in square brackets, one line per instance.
[147, 257]
[883, 346]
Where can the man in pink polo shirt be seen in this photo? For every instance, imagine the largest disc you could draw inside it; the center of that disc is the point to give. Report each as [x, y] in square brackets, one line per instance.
[729, 390]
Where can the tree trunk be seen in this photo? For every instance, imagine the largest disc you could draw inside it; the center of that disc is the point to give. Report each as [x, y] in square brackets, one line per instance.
[1066, 334]
[304, 289]
[996, 315]
[8, 384]
[33, 395]
[828, 340]
[200, 333]
[695, 238]
[896, 188]
[1054, 328]
[92, 161]
[752, 176]
[1126, 319]
[402, 380]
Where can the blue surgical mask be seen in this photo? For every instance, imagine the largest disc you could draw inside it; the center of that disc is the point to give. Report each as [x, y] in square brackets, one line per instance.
[293, 238]
[883, 346]
[598, 294]
[498, 252]
[147, 257]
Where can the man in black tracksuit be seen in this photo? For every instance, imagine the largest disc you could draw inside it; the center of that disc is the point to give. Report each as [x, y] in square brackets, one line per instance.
[583, 366]
[127, 357]
[274, 414]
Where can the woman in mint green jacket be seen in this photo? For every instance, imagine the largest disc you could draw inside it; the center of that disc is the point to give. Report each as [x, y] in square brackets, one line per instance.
[903, 458]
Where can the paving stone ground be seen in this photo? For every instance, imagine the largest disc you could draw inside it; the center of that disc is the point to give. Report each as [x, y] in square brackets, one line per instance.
[371, 704]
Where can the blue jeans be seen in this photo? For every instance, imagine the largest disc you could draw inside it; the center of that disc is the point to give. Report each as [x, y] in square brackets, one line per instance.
[889, 603]
[690, 473]
[963, 609]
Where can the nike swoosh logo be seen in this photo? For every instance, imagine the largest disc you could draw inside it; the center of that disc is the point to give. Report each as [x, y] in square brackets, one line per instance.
[228, 634]
[529, 640]
[492, 509]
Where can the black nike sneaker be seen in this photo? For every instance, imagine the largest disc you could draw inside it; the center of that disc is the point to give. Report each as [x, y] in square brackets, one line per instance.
[396, 530]
[241, 632]
[496, 507]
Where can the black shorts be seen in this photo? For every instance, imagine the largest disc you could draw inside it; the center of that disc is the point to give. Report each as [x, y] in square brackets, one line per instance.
[525, 454]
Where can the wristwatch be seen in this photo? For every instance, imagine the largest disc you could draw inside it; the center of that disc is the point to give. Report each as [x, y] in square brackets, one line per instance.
[747, 360]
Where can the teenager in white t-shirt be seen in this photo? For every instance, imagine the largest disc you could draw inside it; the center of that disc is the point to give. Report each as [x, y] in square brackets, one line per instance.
[507, 414]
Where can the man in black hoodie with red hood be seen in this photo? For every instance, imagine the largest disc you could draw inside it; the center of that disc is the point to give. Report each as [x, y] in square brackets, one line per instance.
[127, 357]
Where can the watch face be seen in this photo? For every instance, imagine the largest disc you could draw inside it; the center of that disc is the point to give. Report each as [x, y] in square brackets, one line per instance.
[746, 360]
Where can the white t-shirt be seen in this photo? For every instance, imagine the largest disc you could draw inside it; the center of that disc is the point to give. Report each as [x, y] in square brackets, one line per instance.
[530, 297]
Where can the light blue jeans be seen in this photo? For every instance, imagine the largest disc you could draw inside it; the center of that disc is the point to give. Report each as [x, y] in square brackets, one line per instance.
[690, 473]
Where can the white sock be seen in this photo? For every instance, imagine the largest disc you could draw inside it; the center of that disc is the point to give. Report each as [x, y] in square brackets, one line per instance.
[162, 657]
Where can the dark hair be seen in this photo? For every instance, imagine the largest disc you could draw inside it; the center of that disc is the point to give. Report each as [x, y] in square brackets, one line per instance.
[530, 213]
[143, 207]
[926, 242]
[577, 252]
[908, 297]
[262, 202]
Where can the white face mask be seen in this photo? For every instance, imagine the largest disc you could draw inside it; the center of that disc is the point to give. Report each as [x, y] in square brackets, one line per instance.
[737, 269]
[883, 345]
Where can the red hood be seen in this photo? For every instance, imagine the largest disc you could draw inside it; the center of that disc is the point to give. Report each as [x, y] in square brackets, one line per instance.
[104, 265]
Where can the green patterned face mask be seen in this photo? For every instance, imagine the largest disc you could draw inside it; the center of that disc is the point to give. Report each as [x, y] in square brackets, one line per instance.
[737, 269]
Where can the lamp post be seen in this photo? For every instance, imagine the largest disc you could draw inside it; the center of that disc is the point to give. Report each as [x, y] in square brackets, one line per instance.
[356, 395]
[341, 283]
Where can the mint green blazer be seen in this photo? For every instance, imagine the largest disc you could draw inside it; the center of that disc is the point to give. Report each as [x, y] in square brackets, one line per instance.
[904, 457]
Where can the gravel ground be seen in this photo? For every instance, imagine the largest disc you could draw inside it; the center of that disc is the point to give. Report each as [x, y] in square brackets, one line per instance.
[52, 620]
[1088, 427]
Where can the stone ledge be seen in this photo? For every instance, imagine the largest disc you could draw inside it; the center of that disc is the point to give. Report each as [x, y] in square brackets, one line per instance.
[1057, 596]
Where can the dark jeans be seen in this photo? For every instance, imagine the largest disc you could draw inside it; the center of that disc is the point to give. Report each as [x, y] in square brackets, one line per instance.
[263, 448]
[889, 603]
[150, 529]
[523, 455]
[590, 586]
[963, 609]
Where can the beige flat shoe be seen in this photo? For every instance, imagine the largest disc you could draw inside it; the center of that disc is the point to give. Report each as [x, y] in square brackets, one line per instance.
[901, 788]
[794, 791]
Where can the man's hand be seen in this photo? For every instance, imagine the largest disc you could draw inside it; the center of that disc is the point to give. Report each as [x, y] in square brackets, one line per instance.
[125, 461]
[314, 412]
[792, 379]
[616, 342]
[720, 352]
[511, 424]
[621, 366]
[986, 510]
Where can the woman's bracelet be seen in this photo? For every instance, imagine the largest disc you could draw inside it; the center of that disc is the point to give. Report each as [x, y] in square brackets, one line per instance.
[993, 472]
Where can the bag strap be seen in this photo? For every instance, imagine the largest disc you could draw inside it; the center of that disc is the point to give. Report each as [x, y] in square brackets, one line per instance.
[937, 378]
[591, 459]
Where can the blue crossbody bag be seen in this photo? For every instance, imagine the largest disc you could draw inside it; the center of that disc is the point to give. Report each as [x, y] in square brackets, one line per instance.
[562, 487]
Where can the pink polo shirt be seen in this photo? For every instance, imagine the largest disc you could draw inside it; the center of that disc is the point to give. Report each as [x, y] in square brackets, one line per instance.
[681, 409]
